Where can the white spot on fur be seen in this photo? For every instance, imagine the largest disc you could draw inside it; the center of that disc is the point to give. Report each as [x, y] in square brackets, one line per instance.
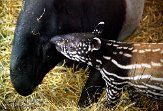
[101, 22]
[127, 55]
[109, 44]
[82, 57]
[119, 47]
[99, 61]
[84, 44]
[115, 53]
[120, 52]
[112, 41]
[115, 45]
[106, 57]
[141, 51]
[80, 44]
[89, 63]
[135, 50]
[156, 50]
[86, 59]
[148, 50]
[137, 45]
[156, 64]
[119, 42]
[153, 43]
[131, 48]
[125, 47]
[97, 66]
[79, 52]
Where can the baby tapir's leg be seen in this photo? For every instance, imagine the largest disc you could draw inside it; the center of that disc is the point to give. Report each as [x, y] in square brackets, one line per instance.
[113, 95]
[94, 84]
[135, 96]
[93, 88]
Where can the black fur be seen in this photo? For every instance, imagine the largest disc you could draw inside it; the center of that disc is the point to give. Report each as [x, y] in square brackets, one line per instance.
[32, 54]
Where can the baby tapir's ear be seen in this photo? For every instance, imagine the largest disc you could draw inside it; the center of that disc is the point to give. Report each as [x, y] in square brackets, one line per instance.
[99, 28]
[95, 44]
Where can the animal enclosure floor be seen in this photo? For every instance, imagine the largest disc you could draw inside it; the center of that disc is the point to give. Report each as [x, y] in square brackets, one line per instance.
[61, 88]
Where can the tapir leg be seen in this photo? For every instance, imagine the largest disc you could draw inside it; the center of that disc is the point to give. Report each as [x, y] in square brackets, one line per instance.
[93, 88]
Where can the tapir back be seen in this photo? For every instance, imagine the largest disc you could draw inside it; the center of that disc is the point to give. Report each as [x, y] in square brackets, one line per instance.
[134, 11]
[147, 71]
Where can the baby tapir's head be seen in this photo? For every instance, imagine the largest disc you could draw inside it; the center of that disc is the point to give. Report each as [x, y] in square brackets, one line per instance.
[78, 46]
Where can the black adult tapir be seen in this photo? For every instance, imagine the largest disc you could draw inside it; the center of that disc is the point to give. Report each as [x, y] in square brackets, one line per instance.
[39, 20]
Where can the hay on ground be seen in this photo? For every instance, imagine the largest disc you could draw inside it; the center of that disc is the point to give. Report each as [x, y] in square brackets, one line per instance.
[61, 88]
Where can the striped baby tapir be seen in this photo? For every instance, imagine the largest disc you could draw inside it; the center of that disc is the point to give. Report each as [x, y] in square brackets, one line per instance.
[137, 65]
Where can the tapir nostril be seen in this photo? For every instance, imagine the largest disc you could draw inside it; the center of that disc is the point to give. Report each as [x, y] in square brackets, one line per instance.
[23, 87]
[24, 92]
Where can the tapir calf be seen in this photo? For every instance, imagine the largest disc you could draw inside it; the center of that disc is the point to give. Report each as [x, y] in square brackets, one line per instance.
[139, 67]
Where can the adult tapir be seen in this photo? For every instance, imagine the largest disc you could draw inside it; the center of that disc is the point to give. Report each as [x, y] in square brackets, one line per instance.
[39, 20]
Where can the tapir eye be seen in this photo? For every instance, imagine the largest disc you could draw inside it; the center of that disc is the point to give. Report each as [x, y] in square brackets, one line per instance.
[71, 48]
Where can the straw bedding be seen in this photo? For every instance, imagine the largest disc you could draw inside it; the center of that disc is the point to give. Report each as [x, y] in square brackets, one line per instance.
[61, 88]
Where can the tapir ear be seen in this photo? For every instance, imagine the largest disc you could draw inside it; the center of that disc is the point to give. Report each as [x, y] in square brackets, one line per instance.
[99, 28]
[95, 44]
